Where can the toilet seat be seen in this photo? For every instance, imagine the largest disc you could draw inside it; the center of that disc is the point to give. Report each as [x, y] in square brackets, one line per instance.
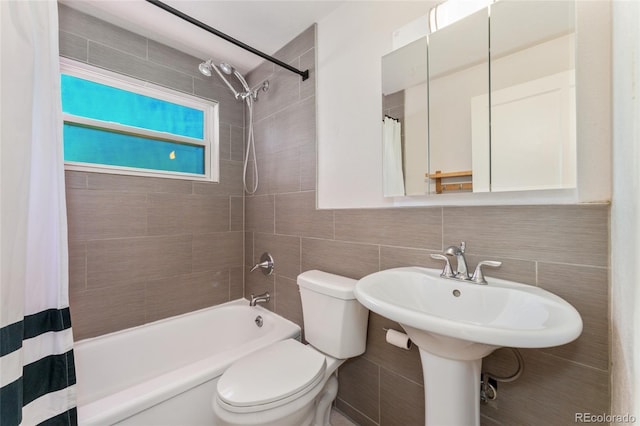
[271, 377]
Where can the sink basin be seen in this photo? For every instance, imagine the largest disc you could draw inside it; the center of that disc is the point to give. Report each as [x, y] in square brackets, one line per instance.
[456, 323]
[501, 313]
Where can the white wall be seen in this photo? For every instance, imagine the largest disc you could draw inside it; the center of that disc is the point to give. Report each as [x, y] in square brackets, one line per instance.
[625, 211]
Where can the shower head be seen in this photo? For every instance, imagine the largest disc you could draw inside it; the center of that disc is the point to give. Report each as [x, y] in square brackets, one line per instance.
[208, 66]
[242, 81]
[230, 70]
[226, 68]
[205, 67]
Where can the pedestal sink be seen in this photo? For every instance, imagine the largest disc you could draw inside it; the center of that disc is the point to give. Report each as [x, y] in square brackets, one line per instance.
[457, 323]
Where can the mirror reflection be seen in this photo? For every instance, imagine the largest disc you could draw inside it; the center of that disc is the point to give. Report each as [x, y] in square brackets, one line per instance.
[405, 120]
[533, 139]
[458, 72]
[499, 122]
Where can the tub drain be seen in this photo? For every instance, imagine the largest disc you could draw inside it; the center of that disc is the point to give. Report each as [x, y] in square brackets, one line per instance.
[259, 321]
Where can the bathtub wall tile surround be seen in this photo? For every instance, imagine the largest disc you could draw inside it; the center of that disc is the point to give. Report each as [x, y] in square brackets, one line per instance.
[143, 249]
[563, 249]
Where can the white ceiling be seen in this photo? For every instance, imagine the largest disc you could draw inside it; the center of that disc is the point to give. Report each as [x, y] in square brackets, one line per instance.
[265, 25]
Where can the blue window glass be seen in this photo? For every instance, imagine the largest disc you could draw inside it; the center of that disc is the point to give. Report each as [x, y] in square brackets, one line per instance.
[90, 145]
[86, 98]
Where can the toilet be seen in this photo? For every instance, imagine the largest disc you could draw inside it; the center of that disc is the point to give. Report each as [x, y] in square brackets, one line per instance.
[290, 383]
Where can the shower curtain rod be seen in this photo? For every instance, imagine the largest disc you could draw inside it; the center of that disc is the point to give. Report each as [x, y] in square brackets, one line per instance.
[303, 74]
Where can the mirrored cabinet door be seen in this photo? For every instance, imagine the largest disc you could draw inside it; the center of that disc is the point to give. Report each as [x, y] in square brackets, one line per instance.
[501, 111]
[405, 120]
[458, 73]
[533, 112]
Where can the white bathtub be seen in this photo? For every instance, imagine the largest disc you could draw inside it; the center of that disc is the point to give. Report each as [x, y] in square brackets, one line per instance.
[165, 373]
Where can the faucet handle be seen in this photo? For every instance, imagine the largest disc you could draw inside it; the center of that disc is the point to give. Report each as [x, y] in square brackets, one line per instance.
[447, 272]
[478, 276]
[266, 263]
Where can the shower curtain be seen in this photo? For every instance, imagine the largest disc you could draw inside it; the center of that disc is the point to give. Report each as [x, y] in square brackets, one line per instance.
[37, 376]
[392, 175]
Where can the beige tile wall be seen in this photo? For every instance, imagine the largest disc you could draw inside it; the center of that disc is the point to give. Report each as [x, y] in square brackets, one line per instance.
[138, 254]
[560, 248]
[142, 249]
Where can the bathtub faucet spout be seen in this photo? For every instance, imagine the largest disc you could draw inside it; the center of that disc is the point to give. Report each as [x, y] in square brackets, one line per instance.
[261, 298]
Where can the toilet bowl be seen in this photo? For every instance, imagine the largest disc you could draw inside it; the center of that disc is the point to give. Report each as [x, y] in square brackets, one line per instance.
[281, 385]
[290, 383]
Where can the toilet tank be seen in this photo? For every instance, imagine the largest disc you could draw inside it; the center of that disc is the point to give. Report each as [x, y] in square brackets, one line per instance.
[334, 321]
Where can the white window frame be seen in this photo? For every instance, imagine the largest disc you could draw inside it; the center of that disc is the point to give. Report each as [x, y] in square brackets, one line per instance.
[210, 140]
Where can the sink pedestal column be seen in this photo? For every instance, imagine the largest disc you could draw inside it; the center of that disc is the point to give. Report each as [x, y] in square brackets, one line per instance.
[452, 390]
[451, 368]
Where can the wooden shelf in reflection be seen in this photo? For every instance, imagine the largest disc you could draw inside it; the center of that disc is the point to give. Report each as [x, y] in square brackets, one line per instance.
[441, 186]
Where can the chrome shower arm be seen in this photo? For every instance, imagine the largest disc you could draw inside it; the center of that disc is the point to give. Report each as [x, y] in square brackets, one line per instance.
[235, 92]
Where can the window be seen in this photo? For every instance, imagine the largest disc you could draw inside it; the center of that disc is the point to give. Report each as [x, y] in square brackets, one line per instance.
[116, 124]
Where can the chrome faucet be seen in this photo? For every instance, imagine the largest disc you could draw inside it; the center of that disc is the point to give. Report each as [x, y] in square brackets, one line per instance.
[261, 298]
[462, 273]
[461, 268]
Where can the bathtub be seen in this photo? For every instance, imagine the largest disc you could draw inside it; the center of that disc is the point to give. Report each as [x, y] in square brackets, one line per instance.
[165, 372]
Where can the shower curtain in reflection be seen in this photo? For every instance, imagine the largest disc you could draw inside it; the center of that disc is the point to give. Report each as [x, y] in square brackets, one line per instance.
[392, 175]
[37, 375]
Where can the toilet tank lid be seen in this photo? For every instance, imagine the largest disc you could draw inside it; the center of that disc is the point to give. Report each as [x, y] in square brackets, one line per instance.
[330, 284]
